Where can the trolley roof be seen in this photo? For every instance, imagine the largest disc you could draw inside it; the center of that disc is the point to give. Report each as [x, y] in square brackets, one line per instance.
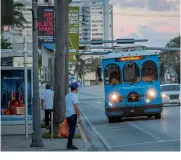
[129, 51]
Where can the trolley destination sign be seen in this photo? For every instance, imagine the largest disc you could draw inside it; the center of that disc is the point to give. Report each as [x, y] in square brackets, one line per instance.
[132, 58]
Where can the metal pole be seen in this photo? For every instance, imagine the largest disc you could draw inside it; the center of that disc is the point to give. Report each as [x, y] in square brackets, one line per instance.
[67, 48]
[106, 21]
[52, 125]
[123, 41]
[163, 49]
[26, 88]
[36, 135]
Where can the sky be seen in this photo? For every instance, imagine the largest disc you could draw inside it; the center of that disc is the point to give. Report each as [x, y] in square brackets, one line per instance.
[155, 20]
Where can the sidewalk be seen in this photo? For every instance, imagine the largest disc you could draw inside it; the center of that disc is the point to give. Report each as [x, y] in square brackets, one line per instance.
[13, 139]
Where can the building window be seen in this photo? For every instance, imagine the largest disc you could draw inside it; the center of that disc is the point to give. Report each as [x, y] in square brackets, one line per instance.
[95, 21]
[97, 34]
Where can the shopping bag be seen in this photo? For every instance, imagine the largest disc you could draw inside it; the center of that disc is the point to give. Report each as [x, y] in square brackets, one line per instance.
[64, 129]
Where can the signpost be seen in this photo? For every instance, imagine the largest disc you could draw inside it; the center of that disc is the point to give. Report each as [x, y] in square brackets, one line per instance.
[26, 88]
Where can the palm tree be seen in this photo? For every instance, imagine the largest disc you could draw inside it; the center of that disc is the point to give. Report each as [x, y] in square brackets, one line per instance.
[19, 21]
[5, 44]
[81, 67]
[171, 58]
[93, 66]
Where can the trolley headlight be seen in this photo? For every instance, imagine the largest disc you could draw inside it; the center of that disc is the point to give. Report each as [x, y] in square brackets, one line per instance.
[151, 93]
[114, 97]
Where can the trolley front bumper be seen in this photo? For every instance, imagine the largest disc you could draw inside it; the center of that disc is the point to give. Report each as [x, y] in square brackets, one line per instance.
[133, 111]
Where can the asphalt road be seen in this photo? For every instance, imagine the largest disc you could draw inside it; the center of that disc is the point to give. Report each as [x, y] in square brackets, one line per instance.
[133, 134]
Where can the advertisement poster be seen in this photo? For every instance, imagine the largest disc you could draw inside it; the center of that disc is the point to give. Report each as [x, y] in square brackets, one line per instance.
[45, 25]
[74, 30]
[12, 93]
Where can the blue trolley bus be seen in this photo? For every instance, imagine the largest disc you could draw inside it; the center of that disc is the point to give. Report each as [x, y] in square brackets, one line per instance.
[132, 83]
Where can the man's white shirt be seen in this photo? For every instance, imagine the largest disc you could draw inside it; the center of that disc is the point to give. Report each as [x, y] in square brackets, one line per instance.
[70, 100]
[47, 96]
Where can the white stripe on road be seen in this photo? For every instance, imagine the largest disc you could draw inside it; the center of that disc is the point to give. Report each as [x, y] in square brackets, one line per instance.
[144, 131]
[119, 129]
[134, 144]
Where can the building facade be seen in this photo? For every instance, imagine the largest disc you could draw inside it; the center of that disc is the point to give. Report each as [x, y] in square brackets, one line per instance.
[91, 27]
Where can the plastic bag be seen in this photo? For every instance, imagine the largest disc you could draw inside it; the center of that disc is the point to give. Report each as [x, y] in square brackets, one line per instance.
[64, 129]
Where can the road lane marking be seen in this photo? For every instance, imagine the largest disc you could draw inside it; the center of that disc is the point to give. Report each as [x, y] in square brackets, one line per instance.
[134, 144]
[144, 131]
[119, 129]
[113, 127]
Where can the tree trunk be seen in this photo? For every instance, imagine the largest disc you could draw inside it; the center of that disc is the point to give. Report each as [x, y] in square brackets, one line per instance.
[96, 77]
[83, 79]
[67, 48]
[59, 87]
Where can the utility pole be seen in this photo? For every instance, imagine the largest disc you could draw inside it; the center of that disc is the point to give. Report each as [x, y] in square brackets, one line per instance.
[59, 73]
[26, 88]
[67, 48]
[106, 21]
[36, 135]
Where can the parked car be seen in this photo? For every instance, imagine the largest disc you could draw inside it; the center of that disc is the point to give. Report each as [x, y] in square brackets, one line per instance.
[170, 93]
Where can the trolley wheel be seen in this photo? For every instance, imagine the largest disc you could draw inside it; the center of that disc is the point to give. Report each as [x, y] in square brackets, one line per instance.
[119, 119]
[111, 120]
[149, 116]
[158, 116]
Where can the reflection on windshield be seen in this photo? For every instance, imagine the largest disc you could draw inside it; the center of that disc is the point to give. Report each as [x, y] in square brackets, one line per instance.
[112, 74]
[131, 72]
[149, 71]
[170, 88]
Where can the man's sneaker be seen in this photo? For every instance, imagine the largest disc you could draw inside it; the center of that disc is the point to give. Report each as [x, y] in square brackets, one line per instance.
[72, 147]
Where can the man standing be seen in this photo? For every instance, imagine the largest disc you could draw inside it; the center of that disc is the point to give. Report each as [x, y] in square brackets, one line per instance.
[47, 104]
[72, 112]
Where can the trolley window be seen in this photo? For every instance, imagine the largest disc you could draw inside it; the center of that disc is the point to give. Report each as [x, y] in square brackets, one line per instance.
[112, 74]
[149, 71]
[131, 72]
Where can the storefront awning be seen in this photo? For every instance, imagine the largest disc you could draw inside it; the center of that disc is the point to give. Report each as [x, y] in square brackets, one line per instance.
[50, 46]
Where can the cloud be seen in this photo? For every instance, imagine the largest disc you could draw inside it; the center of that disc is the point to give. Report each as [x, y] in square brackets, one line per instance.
[161, 5]
[129, 3]
[153, 5]
[156, 38]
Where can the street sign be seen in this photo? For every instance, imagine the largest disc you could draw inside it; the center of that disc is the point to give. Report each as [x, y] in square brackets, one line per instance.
[45, 25]
[74, 30]
[82, 47]
[125, 41]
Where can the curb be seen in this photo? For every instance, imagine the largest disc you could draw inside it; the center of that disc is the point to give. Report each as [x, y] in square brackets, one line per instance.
[87, 145]
[100, 137]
